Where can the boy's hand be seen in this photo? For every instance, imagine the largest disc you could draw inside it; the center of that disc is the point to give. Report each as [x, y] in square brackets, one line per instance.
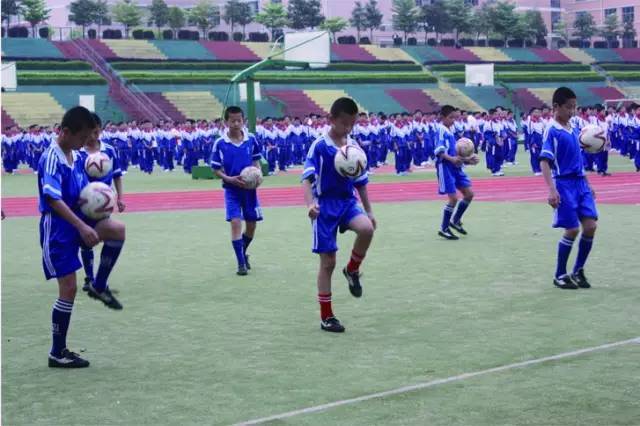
[593, 191]
[236, 181]
[314, 211]
[121, 205]
[457, 161]
[554, 198]
[89, 236]
[472, 160]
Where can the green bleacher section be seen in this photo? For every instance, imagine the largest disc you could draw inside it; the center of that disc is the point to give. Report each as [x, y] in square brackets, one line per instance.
[30, 48]
[179, 50]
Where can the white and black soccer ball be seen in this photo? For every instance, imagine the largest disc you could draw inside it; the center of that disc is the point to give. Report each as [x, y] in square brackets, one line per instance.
[592, 139]
[465, 147]
[350, 161]
[98, 165]
[97, 200]
[251, 176]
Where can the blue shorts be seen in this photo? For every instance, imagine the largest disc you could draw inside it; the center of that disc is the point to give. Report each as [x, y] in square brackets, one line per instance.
[60, 243]
[576, 203]
[451, 178]
[333, 214]
[242, 204]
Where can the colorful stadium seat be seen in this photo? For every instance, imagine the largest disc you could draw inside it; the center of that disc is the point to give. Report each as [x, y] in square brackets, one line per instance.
[196, 105]
[32, 108]
[135, 49]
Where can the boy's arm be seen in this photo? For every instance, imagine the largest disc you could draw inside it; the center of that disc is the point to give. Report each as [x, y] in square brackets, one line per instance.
[364, 198]
[117, 182]
[310, 202]
[554, 197]
[89, 235]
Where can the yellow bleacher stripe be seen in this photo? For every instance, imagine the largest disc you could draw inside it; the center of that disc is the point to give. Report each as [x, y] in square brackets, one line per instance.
[196, 105]
[32, 108]
[262, 50]
[490, 54]
[388, 53]
[140, 49]
[544, 94]
[325, 98]
[577, 55]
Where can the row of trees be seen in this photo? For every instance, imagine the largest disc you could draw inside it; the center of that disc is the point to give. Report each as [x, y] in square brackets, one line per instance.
[584, 28]
[32, 11]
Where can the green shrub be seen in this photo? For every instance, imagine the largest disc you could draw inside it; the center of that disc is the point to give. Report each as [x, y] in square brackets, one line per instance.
[620, 67]
[60, 78]
[625, 75]
[517, 67]
[214, 66]
[529, 77]
[52, 65]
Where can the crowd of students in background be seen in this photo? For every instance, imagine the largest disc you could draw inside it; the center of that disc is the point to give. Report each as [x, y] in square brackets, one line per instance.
[409, 138]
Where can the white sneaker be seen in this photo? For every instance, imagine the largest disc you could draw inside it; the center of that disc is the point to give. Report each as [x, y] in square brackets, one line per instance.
[537, 174]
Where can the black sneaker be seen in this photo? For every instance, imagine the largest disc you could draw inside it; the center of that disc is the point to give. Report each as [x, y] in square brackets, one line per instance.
[447, 234]
[332, 325]
[242, 270]
[458, 228]
[67, 359]
[565, 282]
[353, 278]
[87, 282]
[246, 262]
[580, 279]
[105, 297]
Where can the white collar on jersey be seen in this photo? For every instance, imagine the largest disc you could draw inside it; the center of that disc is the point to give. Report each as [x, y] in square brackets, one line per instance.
[61, 156]
[245, 137]
[557, 125]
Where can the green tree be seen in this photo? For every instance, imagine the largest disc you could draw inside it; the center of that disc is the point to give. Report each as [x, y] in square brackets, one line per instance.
[562, 30]
[628, 33]
[434, 17]
[159, 14]
[176, 19]
[204, 16]
[82, 13]
[34, 12]
[459, 15]
[584, 26]
[358, 18]
[503, 19]
[273, 17]
[10, 8]
[534, 21]
[304, 14]
[101, 14]
[479, 23]
[334, 25]
[237, 13]
[611, 29]
[373, 17]
[127, 14]
[405, 17]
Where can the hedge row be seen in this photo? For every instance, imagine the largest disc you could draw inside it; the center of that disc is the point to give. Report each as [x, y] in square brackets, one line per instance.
[620, 67]
[524, 77]
[59, 78]
[281, 78]
[214, 66]
[625, 75]
[53, 65]
[518, 67]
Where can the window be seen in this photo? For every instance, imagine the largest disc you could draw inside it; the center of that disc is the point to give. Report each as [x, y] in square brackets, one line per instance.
[555, 3]
[608, 12]
[627, 14]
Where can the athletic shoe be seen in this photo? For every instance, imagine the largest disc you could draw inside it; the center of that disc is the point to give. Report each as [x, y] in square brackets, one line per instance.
[246, 261]
[67, 359]
[537, 174]
[332, 325]
[565, 282]
[242, 270]
[87, 283]
[579, 278]
[604, 173]
[447, 234]
[458, 228]
[105, 297]
[353, 278]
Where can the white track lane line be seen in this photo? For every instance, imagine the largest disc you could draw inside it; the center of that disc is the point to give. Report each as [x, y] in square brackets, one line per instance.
[433, 383]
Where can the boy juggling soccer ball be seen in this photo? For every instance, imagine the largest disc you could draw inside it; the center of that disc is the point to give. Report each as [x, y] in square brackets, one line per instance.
[570, 193]
[232, 153]
[333, 205]
[63, 229]
[451, 177]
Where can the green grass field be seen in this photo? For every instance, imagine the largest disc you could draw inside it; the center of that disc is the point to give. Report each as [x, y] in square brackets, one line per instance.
[135, 181]
[197, 345]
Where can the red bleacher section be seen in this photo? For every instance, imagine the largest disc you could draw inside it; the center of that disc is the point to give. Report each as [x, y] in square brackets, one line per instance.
[523, 98]
[413, 99]
[230, 51]
[352, 52]
[459, 55]
[629, 55]
[607, 92]
[297, 103]
[7, 120]
[550, 56]
[166, 106]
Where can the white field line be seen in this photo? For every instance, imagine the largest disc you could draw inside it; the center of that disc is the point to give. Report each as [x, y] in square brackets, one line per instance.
[433, 383]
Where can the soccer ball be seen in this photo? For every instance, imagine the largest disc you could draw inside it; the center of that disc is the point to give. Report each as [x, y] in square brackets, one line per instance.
[592, 139]
[251, 176]
[465, 147]
[350, 161]
[97, 200]
[98, 165]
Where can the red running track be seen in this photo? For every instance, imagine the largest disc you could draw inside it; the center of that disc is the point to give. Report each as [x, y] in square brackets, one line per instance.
[621, 188]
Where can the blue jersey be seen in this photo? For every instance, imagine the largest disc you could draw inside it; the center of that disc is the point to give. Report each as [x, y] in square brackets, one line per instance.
[232, 158]
[59, 180]
[115, 172]
[445, 143]
[319, 169]
[561, 147]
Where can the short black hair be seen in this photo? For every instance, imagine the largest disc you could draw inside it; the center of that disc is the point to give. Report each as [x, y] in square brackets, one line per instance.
[344, 105]
[77, 119]
[97, 119]
[232, 110]
[562, 95]
[446, 110]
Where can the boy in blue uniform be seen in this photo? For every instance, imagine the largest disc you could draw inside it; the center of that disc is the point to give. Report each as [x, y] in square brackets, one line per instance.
[234, 151]
[62, 229]
[333, 206]
[570, 193]
[451, 177]
[113, 178]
